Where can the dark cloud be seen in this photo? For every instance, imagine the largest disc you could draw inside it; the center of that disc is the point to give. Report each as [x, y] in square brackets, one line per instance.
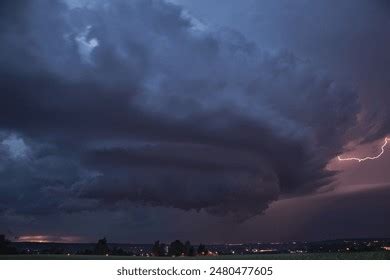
[133, 102]
[347, 38]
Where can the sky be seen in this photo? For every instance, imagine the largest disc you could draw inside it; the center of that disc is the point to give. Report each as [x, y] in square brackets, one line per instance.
[210, 121]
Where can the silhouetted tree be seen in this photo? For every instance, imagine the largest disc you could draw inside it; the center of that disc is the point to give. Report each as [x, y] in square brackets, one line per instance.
[119, 252]
[189, 250]
[101, 247]
[176, 248]
[158, 249]
[5, 246]
[202, 250]
[192, 252]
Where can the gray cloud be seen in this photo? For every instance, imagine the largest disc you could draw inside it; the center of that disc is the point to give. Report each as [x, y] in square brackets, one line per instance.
[346, 38]
[130, 102]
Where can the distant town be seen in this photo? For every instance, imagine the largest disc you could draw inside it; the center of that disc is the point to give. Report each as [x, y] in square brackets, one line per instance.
[178, 248]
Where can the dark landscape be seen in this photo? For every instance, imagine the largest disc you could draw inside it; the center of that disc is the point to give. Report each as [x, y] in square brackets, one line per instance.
[363, 249]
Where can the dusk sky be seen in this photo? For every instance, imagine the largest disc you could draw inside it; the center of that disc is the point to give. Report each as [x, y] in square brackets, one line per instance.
[205, 120]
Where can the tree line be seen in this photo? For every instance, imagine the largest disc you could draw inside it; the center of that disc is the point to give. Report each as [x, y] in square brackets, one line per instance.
[174, 249]
[177, 248]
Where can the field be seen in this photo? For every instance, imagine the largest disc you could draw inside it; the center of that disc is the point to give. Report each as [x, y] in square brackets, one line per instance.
[377, 255]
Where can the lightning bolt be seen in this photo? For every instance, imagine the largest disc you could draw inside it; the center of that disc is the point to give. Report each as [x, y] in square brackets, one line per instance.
[367, 158]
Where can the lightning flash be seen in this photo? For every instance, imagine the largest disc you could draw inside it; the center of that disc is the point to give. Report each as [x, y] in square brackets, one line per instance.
[367, 158]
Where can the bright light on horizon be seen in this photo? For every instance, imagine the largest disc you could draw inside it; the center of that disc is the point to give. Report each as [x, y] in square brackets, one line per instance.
[48, 238]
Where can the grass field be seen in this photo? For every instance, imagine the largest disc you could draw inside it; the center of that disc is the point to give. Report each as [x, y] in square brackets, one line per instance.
[378, 255]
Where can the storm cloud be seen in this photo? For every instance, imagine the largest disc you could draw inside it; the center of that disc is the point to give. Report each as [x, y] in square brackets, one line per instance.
[109, 103]
[348, 39]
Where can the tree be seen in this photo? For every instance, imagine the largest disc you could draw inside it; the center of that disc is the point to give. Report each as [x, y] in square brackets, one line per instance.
[158, 249]
[176, 248]
[202, 250]
[101, 247]
[5, 246]
[119, 252]
[189, 250]
[192, 252]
